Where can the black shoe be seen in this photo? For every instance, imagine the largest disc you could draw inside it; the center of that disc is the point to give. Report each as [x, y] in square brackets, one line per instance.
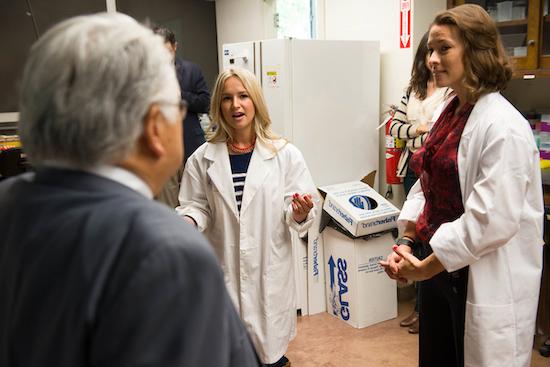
[544, 349]
[283, 362]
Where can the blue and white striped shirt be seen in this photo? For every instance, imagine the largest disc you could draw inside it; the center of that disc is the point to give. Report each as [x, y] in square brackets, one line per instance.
[239, 168]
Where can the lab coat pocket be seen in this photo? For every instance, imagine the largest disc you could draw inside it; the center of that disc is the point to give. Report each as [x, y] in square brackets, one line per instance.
[280, 302]
[489, 338]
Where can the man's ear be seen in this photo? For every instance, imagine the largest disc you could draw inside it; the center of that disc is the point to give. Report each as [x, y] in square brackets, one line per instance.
[152, 132]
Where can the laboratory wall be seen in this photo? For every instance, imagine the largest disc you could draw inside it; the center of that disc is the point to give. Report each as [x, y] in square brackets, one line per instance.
[21, 22]
[380, 20]
[246, 20]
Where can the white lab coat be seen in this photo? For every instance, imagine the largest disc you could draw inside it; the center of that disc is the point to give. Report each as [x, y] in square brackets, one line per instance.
[499, 235]
[254, 247]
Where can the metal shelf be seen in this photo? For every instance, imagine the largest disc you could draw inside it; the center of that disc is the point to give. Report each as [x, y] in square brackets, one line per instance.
[512, 23]
[8, 128]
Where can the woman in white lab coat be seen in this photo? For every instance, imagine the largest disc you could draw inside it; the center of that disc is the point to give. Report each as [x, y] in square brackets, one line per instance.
[245, 188]
[477, 208]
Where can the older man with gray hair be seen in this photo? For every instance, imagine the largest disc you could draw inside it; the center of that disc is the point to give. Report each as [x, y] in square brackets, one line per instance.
[93, 272]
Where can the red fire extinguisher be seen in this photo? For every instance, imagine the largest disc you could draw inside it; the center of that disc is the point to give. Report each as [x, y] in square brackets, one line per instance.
[394, 148]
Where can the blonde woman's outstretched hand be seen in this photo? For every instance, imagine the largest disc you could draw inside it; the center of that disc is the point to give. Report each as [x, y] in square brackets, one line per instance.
[301, 206]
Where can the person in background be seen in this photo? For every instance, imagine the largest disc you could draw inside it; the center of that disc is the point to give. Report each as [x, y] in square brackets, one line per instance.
[92, 271]
[245, 189]
[411, 123]
[195, 92]
[477, 208]
[415, 114]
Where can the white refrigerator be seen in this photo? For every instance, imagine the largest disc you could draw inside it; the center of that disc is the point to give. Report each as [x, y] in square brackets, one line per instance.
[323, 96]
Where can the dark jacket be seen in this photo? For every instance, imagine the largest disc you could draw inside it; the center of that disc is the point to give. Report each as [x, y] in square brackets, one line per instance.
[94, 274]
[195, 91]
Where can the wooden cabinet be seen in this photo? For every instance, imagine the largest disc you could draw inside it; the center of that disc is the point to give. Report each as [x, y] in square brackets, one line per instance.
[525, 29]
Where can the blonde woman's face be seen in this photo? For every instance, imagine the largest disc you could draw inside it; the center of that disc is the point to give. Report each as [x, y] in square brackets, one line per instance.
[237, 107]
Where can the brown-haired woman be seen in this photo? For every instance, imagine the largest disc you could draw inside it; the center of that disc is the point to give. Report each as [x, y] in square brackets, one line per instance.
[415, 114]
[477, 208]
[419, 108]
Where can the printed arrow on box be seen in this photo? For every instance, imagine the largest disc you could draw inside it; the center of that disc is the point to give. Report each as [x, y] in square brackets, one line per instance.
[332, 266]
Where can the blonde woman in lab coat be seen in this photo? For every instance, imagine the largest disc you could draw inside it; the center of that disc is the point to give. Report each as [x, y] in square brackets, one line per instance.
[477, 208]
[245, 188]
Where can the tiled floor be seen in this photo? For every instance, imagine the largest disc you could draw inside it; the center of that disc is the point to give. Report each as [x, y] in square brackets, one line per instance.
[324, 341]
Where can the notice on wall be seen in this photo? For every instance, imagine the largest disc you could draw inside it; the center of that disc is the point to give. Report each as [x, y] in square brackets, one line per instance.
[405, 24]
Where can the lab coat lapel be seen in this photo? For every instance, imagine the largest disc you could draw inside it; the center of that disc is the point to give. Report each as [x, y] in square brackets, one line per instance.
[258, 171]
[220, 175]
[475, 118]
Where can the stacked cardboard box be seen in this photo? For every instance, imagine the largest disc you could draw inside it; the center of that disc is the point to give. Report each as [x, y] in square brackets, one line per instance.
[357, 237]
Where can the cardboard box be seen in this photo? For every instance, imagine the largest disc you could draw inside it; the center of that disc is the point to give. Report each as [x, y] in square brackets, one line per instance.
[316, 298]
[359, 208]
[316, 292]
[358, 291]
[300, 252]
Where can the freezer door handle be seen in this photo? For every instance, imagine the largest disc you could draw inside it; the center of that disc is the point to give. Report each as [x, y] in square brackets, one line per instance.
[232, 60]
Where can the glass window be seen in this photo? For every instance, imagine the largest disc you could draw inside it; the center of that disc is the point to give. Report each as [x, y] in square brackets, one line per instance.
[295, 18]
[511, 17]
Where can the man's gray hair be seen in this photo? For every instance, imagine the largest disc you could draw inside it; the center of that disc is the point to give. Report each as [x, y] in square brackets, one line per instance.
[87, 85]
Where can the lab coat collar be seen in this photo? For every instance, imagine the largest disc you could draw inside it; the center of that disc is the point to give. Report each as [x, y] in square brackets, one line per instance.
[478, 115]
[258, 170]
[480, 108]
[218, 151]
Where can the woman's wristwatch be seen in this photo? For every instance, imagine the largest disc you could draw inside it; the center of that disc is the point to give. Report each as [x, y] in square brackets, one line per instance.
[405, 240]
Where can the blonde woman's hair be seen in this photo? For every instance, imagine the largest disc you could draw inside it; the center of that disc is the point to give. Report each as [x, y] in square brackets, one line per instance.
[219, 130]
[485, 62]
